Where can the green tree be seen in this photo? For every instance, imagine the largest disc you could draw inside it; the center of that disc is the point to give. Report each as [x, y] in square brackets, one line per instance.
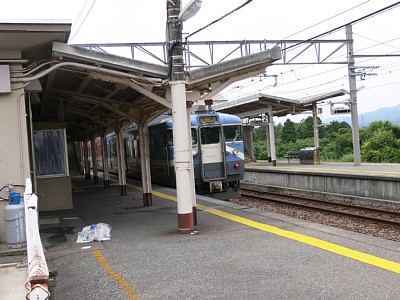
[382, 146]
[331, 129]
[289, 131]
[305, 129]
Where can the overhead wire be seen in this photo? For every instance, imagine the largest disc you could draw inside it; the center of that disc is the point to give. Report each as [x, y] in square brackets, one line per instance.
[219, 19]
[334, 30]
[83, 21]
[330, 18]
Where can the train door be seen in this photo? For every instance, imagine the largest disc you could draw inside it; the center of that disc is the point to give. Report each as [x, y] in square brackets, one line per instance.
[212, 153]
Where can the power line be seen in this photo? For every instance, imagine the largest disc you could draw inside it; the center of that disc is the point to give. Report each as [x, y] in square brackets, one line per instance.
[90, 9]
[330, 18]
[219, 19]
[373, 14]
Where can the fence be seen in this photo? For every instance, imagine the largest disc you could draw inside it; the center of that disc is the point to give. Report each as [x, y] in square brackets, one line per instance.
[38, 272]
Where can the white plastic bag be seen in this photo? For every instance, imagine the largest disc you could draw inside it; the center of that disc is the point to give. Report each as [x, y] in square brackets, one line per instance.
[95, 232]
[102, 232]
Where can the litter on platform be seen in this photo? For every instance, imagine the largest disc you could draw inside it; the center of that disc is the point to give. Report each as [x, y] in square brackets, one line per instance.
[95, 232]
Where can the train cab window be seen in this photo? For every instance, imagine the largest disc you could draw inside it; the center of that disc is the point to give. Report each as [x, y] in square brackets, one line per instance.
[233, 133]
[210, 135]
[170, 138]
[194, 136]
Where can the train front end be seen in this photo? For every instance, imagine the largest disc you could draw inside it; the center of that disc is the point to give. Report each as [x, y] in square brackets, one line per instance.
[218, 154]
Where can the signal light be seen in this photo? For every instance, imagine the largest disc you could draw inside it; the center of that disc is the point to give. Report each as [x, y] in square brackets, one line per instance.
[208, 102]
[236, 165]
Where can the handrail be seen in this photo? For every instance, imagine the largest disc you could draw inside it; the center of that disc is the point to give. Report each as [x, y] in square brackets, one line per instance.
[38, 272]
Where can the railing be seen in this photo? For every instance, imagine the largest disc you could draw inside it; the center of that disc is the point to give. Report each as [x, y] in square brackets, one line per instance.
[38, 272]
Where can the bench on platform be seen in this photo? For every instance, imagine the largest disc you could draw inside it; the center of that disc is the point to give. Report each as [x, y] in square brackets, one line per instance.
[292, 155]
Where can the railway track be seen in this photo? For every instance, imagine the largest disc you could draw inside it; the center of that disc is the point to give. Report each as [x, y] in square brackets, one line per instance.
[380, 220]
[371, 214]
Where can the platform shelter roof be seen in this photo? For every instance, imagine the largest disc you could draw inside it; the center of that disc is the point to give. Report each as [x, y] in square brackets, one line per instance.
[257, 104]
[92, 91]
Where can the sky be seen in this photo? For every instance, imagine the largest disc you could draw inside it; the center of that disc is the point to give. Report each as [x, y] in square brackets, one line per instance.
[118, 21]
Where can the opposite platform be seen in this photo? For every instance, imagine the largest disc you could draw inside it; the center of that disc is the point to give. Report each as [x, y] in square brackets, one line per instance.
[374, 181]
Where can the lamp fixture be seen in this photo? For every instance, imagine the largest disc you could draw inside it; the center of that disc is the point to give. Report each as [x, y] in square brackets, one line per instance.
[189, 10]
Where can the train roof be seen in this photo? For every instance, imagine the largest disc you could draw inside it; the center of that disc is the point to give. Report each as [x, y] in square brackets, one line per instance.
[194, 119]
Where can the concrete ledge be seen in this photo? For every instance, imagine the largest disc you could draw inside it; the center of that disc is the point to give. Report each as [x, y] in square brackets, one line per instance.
[364, 185]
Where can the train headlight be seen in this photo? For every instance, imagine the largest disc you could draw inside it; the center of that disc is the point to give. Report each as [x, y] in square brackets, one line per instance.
[235, 151]
[236, 165]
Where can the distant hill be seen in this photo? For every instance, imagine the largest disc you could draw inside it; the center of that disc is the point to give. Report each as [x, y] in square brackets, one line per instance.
[391, 114]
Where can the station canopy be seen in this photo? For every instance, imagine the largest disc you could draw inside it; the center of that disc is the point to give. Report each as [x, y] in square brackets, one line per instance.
[93, 91]
[255, 105]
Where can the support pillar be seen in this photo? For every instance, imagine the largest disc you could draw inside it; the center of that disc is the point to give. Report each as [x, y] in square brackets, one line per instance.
[104, 151]
[272, 134]
[248, 142]
[268, 137]
[121, 162]
[181, 131]
[315, 120]
[86, 159]
[94, 161]
[145, 164]
[183, 161]
[191, 169]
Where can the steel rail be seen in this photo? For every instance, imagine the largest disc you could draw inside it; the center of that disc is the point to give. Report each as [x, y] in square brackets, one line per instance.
[381, 216]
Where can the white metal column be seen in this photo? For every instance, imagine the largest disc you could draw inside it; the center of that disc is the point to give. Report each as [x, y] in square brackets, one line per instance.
[191, 169]
[145, 164]
[268, 137]
[183, 162]
[315, 119]
[272, 134]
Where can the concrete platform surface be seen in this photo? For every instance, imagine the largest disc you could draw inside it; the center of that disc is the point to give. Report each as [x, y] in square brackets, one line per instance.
[234, 253]
[12, 281]
[368, 169]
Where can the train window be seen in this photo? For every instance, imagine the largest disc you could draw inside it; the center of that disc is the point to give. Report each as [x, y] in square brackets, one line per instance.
[194, 136]
[209, 135]
[170, 138]
[233, 133]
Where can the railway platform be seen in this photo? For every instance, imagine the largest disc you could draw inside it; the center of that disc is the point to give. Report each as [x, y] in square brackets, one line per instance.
[368, 169]
[234, 252]
[373, 181]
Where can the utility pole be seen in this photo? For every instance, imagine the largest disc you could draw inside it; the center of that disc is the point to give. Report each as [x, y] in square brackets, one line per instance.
[181, 130]
[353, 96]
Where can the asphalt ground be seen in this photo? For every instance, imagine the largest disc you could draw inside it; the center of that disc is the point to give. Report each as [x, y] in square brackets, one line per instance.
[235, 253]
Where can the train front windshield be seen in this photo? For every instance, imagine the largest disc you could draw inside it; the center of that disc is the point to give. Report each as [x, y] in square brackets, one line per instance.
[210, 135]
[233, 133]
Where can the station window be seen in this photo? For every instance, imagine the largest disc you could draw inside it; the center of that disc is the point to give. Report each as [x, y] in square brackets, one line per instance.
[50, 153]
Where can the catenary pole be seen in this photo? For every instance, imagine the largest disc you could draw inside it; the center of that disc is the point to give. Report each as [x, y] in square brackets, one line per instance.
[353, 97]
[181, 131]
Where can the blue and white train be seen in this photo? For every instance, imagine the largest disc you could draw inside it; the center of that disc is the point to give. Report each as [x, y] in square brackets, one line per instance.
[218, 153]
